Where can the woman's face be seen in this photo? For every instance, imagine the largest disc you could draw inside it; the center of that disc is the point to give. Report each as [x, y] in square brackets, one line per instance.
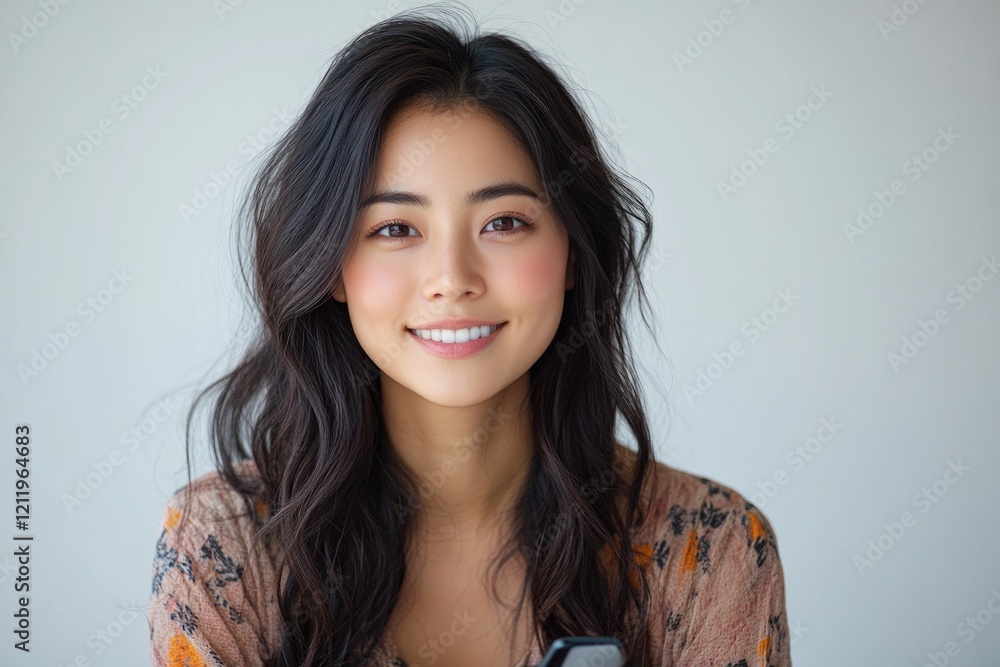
[445, 256]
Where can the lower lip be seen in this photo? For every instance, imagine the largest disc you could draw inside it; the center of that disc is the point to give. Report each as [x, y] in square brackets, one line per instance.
[456, 350]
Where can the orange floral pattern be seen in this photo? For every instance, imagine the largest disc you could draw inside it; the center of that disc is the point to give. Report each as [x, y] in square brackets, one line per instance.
[182, 653]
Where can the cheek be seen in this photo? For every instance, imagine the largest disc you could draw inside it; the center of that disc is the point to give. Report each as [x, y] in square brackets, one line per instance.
[537, 278]
[373, 290]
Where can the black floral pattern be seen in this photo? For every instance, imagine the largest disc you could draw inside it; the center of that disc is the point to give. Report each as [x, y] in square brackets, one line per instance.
[185, 618]
[226, 571]
[762, 543]
[167, 559]
[710, 516]
[702, 558]
[661, 551]
[713, 488]
[678, 517]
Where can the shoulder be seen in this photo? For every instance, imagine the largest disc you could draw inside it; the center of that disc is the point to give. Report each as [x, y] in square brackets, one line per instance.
[696, 524]
[212, 592]
[687, 500]
[207, 529]
[210, 503]
[711, 559]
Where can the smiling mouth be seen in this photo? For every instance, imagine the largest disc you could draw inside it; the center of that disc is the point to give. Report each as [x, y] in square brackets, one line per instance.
[451, 336]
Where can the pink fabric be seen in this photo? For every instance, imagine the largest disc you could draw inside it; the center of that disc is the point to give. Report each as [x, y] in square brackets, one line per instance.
[711, 557]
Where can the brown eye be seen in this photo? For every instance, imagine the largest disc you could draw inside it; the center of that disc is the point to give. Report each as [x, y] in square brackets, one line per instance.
[503, 219]
[390, 226]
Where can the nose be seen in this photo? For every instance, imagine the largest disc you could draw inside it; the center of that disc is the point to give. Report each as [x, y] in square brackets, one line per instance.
[453, 268]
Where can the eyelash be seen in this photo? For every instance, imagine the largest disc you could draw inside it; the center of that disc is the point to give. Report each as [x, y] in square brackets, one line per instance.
[500, 232]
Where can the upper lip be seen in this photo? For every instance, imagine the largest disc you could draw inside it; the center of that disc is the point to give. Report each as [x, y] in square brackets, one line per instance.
[461, 323]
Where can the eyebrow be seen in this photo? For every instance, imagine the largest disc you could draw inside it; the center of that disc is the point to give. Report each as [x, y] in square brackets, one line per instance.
[479, 196]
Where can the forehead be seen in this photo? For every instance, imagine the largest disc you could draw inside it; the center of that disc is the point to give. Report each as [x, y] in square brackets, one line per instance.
[430, 150]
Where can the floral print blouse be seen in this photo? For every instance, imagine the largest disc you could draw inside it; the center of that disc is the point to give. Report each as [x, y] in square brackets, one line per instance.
[717, 584]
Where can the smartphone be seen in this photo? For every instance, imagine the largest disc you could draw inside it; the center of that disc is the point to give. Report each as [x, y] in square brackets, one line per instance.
[584, 652]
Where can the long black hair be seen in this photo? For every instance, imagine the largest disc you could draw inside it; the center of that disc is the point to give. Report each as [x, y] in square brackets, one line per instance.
[304, 401]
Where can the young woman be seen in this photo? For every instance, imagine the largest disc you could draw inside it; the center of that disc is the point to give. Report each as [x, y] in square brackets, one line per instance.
[417, 461]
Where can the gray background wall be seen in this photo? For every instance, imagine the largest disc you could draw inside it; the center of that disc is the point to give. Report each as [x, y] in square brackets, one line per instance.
[874, 339]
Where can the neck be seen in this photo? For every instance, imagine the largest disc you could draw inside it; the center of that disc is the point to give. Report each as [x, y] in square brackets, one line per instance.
[471, 462]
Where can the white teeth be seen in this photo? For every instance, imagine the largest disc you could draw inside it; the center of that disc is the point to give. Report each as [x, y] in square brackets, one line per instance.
[455, 335]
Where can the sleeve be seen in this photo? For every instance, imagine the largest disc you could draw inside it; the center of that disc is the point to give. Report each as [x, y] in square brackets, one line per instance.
[198, 616]
[737, 614]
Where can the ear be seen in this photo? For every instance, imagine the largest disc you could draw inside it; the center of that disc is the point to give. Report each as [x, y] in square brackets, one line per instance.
[571, 270]
[338, 292]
